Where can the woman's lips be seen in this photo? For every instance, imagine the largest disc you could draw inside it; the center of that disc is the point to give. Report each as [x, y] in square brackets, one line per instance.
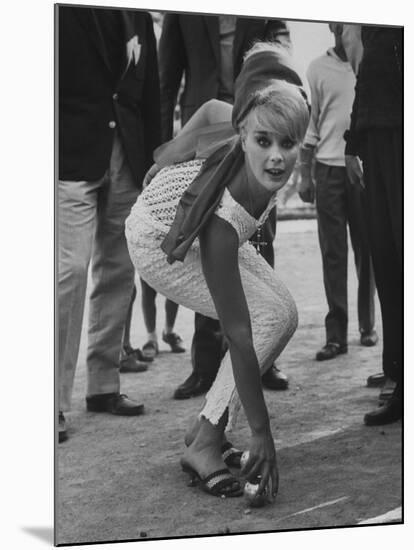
[275, 172]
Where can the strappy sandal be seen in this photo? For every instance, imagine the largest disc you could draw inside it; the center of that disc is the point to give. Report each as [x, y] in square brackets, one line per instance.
[219, 484]
[231, 455]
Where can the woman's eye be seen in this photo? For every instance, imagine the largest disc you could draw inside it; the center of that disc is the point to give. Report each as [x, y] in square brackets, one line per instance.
[288, 143]
[263, 142]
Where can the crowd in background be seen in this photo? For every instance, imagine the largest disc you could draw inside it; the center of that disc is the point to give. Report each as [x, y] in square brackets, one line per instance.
[128, 81]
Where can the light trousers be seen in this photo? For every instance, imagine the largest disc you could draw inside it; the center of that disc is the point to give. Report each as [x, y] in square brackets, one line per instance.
[91, 218]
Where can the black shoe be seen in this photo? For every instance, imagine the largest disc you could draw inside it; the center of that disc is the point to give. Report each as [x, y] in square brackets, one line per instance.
[390, 412]
[137, 353]
[193, 386]
[376, 380]
[114, 403]
[129, 363]
[369, 338]
[174, 341]
[387, 391]
[273, 379]
[63, 434]
[330, 351]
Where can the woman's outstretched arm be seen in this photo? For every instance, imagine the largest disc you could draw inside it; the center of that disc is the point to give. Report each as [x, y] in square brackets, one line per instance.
[219, 256]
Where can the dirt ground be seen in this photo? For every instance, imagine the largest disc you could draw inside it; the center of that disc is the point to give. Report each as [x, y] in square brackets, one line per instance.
[119, 478]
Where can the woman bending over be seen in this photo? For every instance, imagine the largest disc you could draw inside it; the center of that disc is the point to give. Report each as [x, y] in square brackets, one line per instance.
[188, 238]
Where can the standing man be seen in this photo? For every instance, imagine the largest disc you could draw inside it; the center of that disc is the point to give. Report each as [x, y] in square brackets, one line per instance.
[375, 137]
[338, 202]
[208, 51]
[108, 127]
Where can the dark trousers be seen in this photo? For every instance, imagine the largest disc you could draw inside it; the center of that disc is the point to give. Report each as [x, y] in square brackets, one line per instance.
[382, 162]
[339, 204]
[208, 345]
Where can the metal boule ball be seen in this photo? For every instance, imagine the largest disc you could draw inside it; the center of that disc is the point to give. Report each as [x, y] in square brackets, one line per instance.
[244, 458]
[250, 492]
[250, 489]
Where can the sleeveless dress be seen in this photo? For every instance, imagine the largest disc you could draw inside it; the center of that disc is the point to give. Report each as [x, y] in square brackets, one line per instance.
[272, 310]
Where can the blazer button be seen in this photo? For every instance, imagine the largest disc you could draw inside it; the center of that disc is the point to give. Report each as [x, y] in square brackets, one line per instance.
[112, 124]
[115, 97]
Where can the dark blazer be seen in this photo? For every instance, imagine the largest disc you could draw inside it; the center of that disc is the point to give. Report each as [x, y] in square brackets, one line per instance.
[93, 95]
[190, 44]
[378, 99]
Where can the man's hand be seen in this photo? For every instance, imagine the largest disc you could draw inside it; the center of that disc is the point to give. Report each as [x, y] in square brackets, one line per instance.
[306, 189]
[354, 170]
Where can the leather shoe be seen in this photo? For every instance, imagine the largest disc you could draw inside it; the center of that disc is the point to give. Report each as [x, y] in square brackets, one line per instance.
[390, 412]
[62, 431]
[376, 380]
[369, 338]
[174, 341]
[137, 353]
[114, 403]
[193, 386]
[330, 351]
[387, 391]
[274, 379]
[129, 363]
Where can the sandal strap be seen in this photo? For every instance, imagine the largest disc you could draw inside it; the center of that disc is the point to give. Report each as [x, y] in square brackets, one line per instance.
[219, 483]
[219, 480]
[150, 345]
[230, 454]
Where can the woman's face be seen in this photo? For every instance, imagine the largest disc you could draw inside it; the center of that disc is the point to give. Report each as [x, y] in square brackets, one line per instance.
[270, 157]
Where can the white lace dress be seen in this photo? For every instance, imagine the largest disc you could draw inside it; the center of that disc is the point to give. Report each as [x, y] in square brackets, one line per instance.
[272, 310]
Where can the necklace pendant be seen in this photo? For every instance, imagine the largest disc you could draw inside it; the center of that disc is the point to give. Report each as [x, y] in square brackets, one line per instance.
[259, 243]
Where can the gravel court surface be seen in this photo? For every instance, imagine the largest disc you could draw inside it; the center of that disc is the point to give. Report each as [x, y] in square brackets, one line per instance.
[119, 478]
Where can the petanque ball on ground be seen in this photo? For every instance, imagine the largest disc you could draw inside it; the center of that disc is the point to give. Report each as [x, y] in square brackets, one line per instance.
[250, 492]
[250, 488]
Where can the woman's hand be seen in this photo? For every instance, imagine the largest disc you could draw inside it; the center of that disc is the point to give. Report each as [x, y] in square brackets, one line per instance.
[149, 175]
[262, 462]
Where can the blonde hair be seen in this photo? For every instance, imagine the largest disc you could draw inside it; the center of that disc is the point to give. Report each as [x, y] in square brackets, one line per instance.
[279, 108]
[281, 50]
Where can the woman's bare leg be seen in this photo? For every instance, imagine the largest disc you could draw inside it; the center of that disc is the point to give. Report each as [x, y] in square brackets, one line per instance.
[171, 309]
[194, 428]
[204, 452]
[149, 309]
[126, 340]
